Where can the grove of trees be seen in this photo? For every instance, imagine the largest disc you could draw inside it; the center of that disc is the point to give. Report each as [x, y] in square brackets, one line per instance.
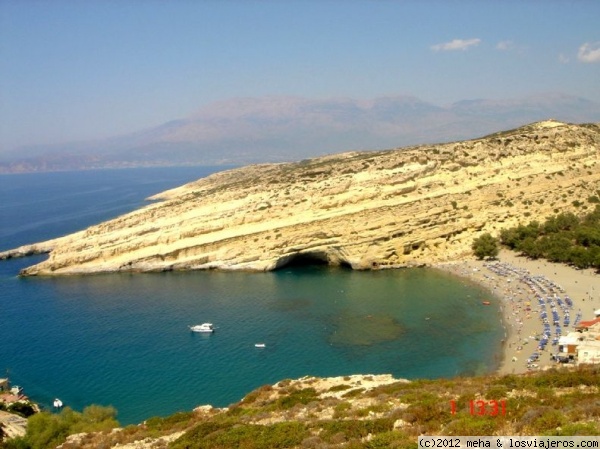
[564, 238]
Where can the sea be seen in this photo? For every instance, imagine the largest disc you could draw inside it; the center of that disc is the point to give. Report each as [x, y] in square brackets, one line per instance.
[123, 339]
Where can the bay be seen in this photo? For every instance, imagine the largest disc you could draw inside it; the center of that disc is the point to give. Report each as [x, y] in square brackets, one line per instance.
[123, 339]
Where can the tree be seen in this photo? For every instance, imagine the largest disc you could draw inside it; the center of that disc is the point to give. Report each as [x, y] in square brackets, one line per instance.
[485, 246]
[530, 248]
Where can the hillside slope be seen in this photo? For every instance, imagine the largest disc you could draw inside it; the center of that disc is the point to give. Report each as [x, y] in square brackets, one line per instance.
[364, 210]
[363, 411]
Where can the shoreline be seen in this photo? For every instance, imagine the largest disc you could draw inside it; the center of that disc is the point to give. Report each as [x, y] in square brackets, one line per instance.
[516, 283]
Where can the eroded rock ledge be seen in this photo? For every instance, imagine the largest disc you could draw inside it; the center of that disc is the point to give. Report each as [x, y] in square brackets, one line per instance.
[364, 210]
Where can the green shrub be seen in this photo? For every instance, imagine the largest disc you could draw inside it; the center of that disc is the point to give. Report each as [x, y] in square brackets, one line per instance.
[179, 419]
[341, 409]
[485, 246]
[428, 409]
[303, 396]
[496, 392]
[24, 409]
[340, 387]
[243, 436]
[549, 420]
[355, 429]
[472, 425]
[353, 393]
[46, 430]
[15, 443]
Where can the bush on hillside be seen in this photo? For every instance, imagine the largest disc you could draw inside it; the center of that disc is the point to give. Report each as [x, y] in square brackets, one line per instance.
[24, 409]
[485, 246]
[47, 430]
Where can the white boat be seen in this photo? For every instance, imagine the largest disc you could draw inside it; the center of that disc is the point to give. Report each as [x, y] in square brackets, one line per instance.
[58, 403]
[204, 327]
[260, 345]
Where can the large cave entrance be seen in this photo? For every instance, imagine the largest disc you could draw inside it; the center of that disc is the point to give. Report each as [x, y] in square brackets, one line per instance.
[304, 260]
[308, 259]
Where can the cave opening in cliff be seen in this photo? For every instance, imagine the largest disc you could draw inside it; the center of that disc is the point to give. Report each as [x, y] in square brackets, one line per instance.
[304, 260]
[308, 259]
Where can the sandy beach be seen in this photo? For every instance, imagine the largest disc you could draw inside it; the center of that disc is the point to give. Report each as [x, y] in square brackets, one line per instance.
[517, 283]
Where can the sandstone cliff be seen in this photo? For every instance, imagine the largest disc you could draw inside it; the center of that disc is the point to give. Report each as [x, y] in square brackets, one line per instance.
[364, 210]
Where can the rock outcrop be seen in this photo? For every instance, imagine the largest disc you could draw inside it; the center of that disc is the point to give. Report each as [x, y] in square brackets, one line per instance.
[364, 210]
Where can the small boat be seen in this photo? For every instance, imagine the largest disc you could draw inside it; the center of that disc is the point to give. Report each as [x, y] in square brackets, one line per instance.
[204, 328]
[57, 403]
[260, 345]
[485, 303]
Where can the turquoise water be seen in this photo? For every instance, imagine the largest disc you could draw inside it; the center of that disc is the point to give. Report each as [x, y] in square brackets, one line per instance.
[122, 339]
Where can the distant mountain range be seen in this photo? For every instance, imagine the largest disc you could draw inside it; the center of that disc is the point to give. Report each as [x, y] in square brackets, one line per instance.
[242, 131]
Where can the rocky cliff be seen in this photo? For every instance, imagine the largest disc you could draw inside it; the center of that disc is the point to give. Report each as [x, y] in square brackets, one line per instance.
[365, 210]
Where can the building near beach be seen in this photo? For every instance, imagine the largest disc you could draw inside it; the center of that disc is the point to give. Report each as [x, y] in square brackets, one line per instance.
[594, 328]
[589, 325]
[582, 346]
[567, 344]
[588, 352]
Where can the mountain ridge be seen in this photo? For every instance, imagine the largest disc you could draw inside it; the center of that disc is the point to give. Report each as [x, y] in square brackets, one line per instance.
[243, 131]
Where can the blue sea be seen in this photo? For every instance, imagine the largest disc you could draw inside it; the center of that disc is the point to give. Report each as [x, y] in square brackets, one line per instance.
[123, 339]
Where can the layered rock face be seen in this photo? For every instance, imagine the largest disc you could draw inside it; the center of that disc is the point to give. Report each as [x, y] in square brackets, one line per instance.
[364, 210]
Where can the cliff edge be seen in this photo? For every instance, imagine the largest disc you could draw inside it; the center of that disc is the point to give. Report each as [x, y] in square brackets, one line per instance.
[364, 210]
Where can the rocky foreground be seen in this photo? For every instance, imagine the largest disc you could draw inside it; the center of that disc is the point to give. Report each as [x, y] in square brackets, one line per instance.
[367, 412]
[363, 210]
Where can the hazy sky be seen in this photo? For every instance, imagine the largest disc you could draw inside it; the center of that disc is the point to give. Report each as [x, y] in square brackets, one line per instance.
[73, 70]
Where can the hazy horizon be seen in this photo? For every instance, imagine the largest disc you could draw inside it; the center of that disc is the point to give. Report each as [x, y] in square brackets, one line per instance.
[79, 71]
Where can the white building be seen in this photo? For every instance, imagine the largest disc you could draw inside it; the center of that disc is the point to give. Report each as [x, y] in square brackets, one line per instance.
[567, 344]
[588, 352]
[582, 346]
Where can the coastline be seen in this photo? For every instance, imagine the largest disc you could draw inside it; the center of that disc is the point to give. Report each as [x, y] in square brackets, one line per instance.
[519, 303]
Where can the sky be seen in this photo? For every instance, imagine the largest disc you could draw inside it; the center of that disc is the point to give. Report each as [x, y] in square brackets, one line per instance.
[79, 70]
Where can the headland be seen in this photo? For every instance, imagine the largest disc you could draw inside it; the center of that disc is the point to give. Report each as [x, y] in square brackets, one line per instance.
[365, 210]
